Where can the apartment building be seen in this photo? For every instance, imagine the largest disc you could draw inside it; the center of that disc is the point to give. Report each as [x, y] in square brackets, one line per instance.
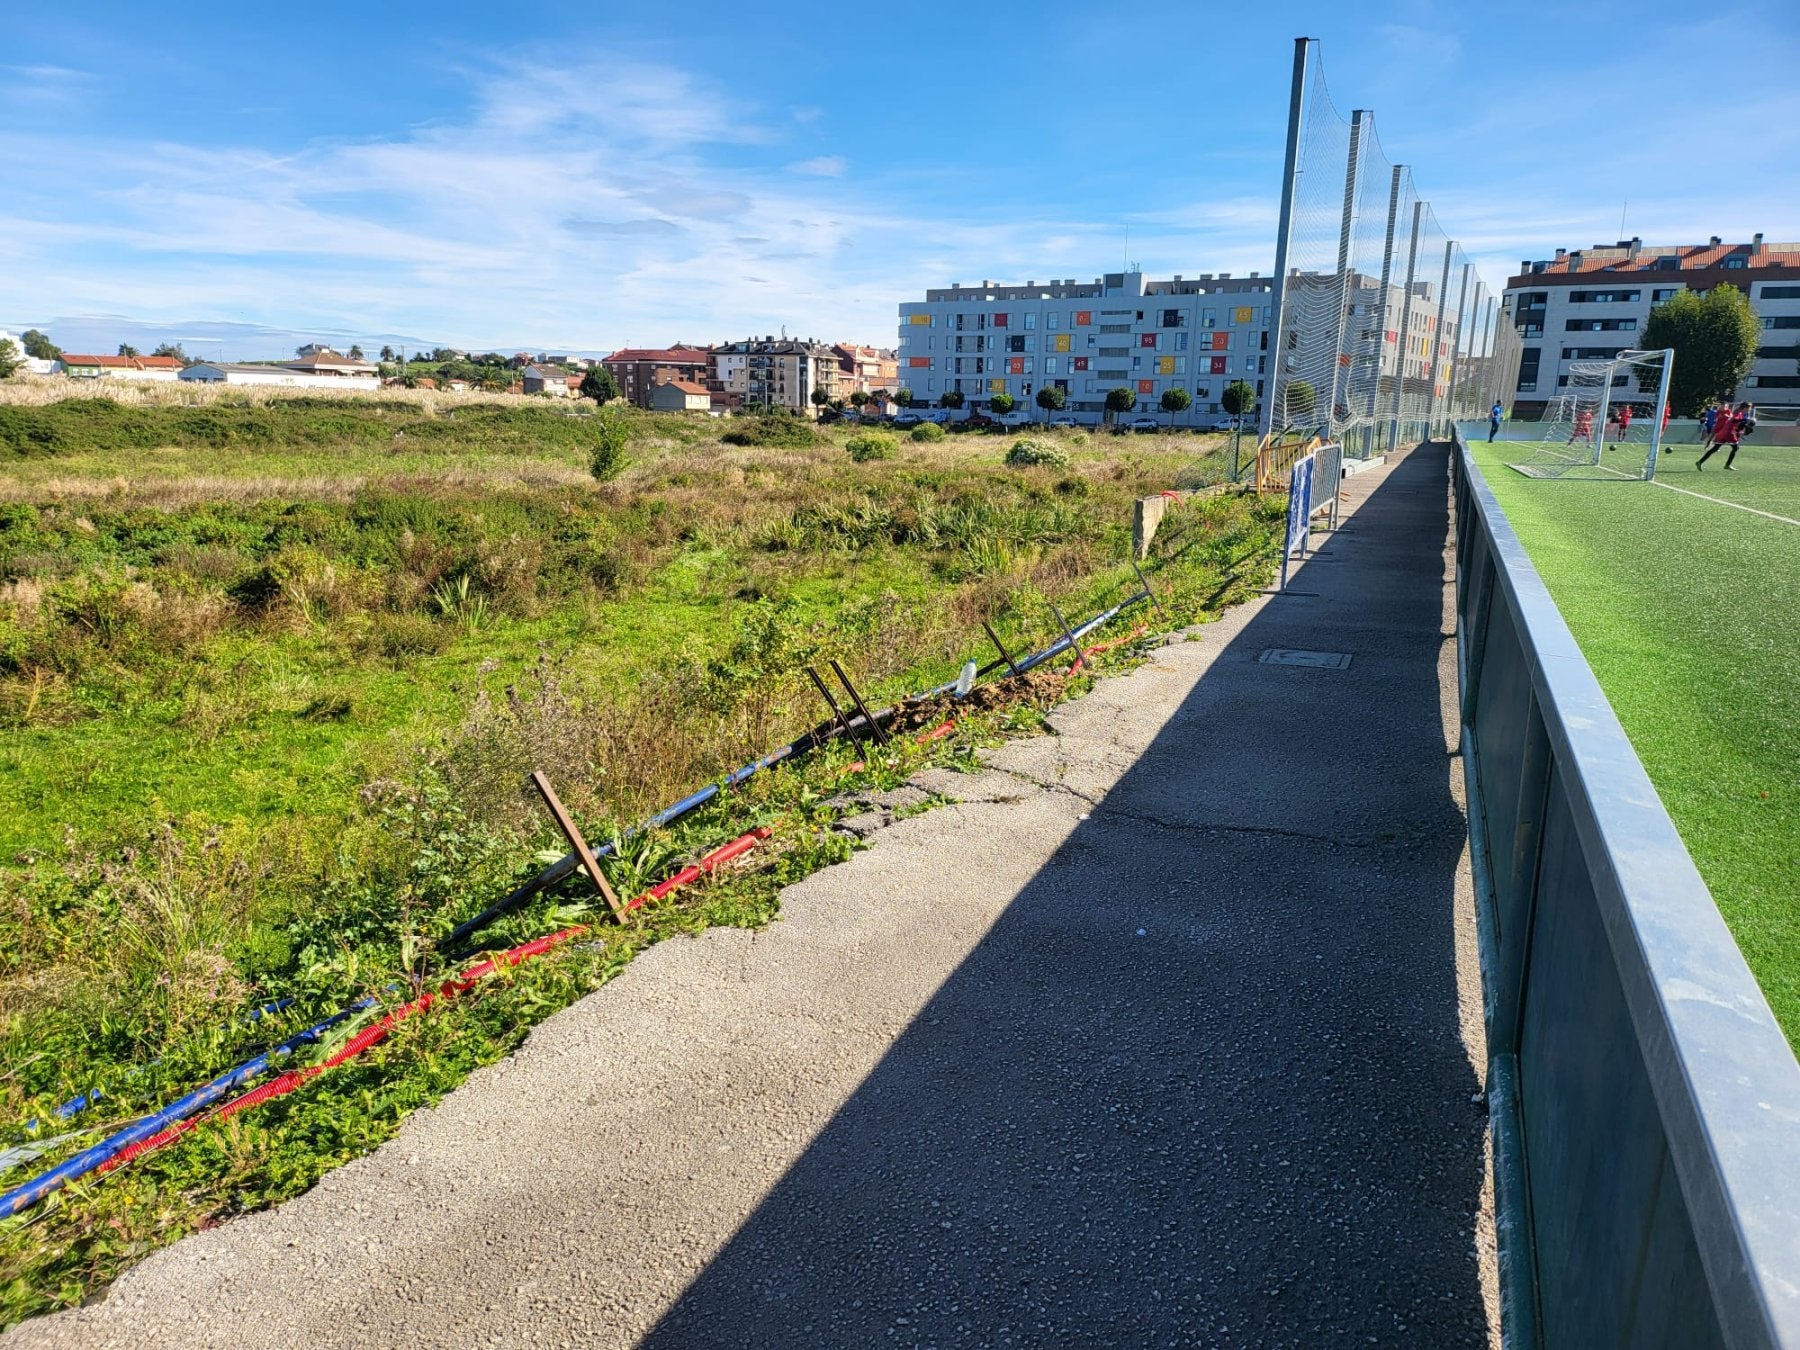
[640, 369]
[1382, 347]
[777, 372]
[867, 370]
[1089, 338]
[1589, 304]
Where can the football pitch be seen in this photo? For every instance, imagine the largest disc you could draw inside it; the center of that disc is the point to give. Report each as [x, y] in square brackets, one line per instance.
[1684, 594]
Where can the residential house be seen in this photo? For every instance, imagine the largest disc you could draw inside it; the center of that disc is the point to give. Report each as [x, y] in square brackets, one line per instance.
[324, 361]
[681, 396]
[640, 369]
[546, 380]
[84, 367]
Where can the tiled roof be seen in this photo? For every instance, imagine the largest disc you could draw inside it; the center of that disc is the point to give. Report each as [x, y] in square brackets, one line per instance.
[1649, 258]
[689, 387]
[671, 355]
[122, 362]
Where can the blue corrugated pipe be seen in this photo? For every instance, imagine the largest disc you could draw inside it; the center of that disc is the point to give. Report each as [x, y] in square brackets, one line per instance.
[199, 1099]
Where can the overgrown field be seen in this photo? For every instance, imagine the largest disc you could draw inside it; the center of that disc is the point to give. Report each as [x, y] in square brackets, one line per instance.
[1689, 610]
[272, 673]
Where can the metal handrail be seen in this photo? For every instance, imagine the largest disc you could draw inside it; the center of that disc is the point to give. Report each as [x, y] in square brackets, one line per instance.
[1627, 1038]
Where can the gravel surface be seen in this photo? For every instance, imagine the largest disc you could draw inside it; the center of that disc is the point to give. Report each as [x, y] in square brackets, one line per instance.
[1166, 1034]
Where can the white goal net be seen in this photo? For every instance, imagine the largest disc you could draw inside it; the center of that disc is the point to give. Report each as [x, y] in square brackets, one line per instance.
[1604, 421]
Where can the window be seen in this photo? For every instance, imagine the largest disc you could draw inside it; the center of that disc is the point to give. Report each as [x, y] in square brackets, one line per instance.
[1600, 325]
[1780, 293]
[1147, 340]
[1668, 263]
[1030, 319]
[1181, 342]
[1249, 364]
[1203, 391]
[1049, 365]
[1663, 293]
[1528, 368]
[1604, 297]
[1000, 319]
[1777, 353]
[1781, 321]
[1207, 318]
[1015, 343]
[1775, 381]
[1739, 261]
[1052, 319]
[1173, 318]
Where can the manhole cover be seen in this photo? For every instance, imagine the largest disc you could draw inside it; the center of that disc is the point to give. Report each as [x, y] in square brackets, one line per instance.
[1287, 656]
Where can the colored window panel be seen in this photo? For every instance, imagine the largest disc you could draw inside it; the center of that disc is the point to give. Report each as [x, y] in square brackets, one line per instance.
[1016, 365]
[1242, 314]
[916, 362]
[1146, 386]
[920, 320]
[1000, 320]
[1060, 343]
[1146, 339]
[1078, 363]
[1165, 365]
[1084, 318]
[1221, 341]
[996, 386]
[1218, 364]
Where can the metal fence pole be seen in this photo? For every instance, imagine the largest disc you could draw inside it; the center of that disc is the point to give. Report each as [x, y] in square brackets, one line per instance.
[1352, 174]
[1437, 337]
[1459, 368]
[1412, 260]
[1285, 231]
[1387, 274]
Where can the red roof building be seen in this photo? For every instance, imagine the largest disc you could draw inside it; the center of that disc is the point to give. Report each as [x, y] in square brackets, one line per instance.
[640, 369]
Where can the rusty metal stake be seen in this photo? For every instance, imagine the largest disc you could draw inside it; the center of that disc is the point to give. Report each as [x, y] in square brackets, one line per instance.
[1144, 581]
[881, 737]
[578, 843]
[1005, 656]
[1074, 646]
[836, 711]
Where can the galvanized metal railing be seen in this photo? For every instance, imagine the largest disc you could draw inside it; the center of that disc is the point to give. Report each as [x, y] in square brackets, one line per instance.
[1644, 1102]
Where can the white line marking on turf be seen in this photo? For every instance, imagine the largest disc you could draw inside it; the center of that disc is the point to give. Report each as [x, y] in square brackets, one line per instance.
[1770, 515]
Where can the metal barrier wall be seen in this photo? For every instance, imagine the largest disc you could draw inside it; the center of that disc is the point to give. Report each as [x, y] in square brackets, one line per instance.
[1644, 1102]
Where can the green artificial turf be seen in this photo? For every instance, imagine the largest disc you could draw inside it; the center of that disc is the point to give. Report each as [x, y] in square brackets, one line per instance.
[1689, 613]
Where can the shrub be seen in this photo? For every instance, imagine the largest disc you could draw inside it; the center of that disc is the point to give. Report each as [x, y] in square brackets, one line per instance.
[608, 458]
[928, 431]
[779, 430]
[874, 445]
[1027, 452]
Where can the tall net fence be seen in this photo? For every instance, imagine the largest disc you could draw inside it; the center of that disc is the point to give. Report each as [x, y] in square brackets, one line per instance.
[1385, 330]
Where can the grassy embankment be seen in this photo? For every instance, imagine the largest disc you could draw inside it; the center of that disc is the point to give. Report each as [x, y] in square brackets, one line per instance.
[1689, 610]
[271, 673]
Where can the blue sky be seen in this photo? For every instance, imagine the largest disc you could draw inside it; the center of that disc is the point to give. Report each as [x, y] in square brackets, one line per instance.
[627, 173]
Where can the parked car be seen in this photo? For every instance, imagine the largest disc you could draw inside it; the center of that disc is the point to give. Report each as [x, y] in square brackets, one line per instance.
[1223, 422]
[1145, 422]
[1018, 417]
[907, 418]
[1064, 420]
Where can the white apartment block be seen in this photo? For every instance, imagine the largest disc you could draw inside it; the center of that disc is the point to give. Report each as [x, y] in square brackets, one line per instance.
[777, 372]
[1593, 303]
[1200, 333]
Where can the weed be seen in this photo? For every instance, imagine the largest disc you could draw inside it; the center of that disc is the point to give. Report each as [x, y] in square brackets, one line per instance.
[873, 445]
[1027, 452]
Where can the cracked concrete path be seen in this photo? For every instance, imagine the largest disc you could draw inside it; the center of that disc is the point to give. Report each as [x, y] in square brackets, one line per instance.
[1165, 1034]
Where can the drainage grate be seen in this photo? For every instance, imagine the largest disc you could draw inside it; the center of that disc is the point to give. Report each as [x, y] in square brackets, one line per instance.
[1285, 656]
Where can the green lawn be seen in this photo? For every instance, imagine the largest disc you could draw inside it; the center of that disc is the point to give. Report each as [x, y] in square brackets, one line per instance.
[1689, 612]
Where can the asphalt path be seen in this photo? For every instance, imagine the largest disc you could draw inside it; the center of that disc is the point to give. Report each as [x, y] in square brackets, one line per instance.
[1166, 1034]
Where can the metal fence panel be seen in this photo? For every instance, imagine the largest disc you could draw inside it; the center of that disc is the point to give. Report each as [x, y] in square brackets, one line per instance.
[1645, 1104]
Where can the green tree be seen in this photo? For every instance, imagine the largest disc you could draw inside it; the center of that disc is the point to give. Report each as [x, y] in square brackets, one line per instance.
[387, 353]
[858, 399]
[903, 398]
[1001, 404]
[172, 349]
[1051, 398]
[1714, 337]
[952, 398]
[39, 347]
[1298, 399]
[1175, 399]
[599, 384]
[126, 349]
[10, 360]
[1120, 400]
[355, 352]
[1239, 398]
[820, 397]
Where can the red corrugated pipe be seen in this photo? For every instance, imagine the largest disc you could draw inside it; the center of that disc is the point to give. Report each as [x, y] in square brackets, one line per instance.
[377, 1032]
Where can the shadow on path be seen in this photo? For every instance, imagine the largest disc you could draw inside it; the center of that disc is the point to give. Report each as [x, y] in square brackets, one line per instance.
[1249, 1124]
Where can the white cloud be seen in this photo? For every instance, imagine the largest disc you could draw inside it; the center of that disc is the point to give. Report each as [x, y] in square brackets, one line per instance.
[823, 166]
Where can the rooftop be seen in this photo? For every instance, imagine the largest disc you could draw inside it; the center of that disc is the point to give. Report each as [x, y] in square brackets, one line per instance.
[1634, 255]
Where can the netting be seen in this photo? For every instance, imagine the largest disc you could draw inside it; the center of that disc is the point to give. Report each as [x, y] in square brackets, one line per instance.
[1385, 329]
[1604, 422]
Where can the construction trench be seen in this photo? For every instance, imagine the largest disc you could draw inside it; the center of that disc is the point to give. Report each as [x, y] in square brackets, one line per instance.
[1167, 1032]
